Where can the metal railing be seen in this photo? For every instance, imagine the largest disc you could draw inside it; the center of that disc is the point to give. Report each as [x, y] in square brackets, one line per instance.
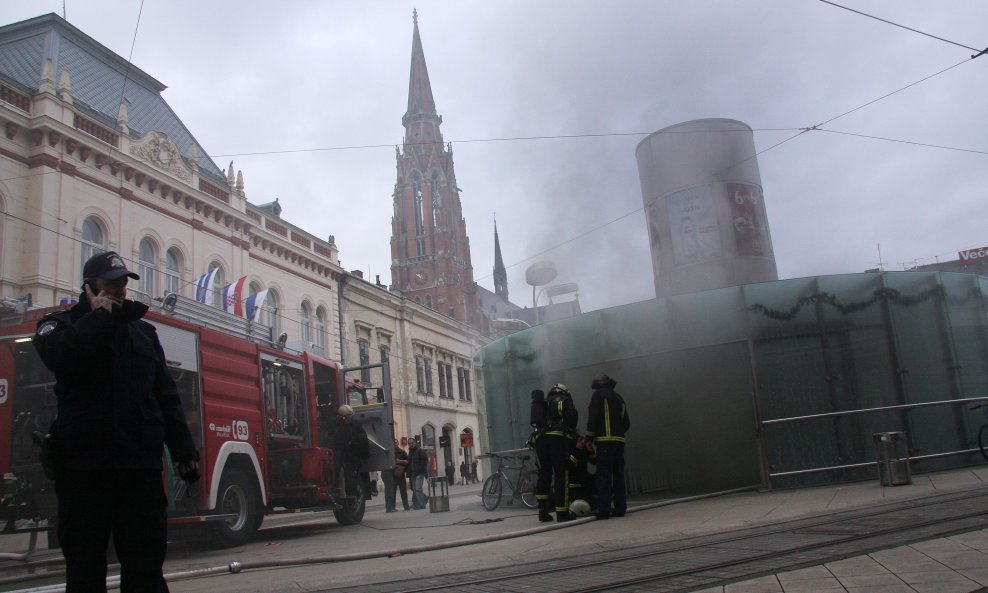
[903, 407]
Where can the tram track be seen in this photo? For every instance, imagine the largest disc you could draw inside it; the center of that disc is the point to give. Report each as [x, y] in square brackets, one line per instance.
[711, 560]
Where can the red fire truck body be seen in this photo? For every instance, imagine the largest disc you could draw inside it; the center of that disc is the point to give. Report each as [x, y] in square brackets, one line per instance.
[263, 417]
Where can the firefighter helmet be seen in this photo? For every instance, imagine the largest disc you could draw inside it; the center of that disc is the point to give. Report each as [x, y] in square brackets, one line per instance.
[579, 507]
[558, 388]
[345, 411]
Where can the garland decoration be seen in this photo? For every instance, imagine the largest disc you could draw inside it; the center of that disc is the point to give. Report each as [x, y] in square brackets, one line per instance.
[826, 298]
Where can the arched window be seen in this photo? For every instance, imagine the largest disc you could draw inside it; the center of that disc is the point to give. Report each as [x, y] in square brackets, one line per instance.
[148, 257]
[271, 308]
[93, 241]
[173, 271]
[305, 319]
[321, 329]
[219, 281]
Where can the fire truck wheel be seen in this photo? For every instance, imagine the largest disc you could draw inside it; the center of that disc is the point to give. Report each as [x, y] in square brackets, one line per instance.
[352, 512]
[237, 497]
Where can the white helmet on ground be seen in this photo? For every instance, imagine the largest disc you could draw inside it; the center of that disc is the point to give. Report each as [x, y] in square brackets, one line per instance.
[579, 507]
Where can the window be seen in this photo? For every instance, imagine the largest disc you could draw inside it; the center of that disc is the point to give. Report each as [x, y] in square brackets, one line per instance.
[385, 353]
[173, 271]
[271, 308]
[363, 351]
[219, 281]
[147, 256]
[428, 437]
[420, 374]
[442, 384]
[92, 239]
[305, 318]
[428, 375]
[463, 378]
[321, 329]
[428, 301]
[445, 380]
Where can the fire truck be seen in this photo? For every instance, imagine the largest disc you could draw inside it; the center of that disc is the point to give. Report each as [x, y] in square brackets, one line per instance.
[262, 415]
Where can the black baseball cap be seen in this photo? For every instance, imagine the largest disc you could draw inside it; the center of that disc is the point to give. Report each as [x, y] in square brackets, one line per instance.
[108, 266]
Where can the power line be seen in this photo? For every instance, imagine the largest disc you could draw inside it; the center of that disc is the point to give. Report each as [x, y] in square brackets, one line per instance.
[911, 142]
[903, 27]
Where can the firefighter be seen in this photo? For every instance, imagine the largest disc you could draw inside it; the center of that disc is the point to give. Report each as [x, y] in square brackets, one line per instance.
[117, 406]
[560, 435]
[607, 423]
[352, 450]
[543, 487]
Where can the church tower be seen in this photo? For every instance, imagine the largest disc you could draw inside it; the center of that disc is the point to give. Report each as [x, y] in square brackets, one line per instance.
[430, 250]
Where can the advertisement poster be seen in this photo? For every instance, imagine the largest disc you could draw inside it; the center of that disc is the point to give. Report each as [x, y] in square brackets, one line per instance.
[748, 216]
[693, 225]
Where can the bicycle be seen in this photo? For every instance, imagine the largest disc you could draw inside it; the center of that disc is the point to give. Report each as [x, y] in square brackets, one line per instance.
[983, 431]
[522, 487]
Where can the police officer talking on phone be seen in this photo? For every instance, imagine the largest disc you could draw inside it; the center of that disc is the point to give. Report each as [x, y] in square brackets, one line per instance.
[117, 405]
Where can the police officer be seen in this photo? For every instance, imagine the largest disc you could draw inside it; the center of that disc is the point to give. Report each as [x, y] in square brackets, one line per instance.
[117, 405]
[607, 423]
[560, 435]
[543, 486]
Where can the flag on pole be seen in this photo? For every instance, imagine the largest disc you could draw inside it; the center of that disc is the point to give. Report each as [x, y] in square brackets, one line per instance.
[204, 285]
[254, 303]
[233, 297]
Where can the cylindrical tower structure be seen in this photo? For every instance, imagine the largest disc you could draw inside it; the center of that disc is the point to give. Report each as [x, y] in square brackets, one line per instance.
[707, 224]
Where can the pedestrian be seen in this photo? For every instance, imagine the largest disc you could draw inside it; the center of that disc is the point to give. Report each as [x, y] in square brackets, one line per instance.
[473, 471]
[418, 464]
[450, 473]
[560, 432]
[543, 485]
[117, 407]
[607, 423]
[395, 479]
[464, 472]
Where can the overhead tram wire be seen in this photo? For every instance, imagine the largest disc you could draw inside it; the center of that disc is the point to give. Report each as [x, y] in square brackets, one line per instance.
[871, 16]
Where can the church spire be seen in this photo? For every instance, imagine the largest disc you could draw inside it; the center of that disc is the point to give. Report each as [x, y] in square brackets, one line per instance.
[500, 274]
[421, 105]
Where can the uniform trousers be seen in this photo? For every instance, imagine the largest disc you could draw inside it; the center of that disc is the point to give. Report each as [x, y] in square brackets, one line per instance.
[559, 447]
[130, 505]
[610, 478]
[543, 486]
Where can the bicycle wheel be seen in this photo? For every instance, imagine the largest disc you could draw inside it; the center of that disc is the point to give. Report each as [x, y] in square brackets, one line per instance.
[491, 494]
[983, 440]
[526, 487]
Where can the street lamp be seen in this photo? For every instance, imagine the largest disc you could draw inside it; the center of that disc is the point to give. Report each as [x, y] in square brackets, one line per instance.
[539, 274]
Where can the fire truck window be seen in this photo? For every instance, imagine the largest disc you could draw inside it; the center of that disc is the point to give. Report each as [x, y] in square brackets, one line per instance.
[188, 390]
[284, 401]
[325, 378]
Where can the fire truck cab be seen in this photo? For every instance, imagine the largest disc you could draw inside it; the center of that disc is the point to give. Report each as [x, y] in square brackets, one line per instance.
[264, 418]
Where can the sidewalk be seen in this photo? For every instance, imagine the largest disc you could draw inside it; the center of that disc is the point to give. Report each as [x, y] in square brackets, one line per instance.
[946, 565]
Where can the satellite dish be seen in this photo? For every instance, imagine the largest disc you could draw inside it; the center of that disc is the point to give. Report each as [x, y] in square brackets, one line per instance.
[540, 273]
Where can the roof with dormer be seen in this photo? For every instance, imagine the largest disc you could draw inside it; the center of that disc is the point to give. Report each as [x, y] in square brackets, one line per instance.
[100, 80]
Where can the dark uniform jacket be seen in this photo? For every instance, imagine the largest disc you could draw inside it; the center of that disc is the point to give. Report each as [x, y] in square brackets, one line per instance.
[608, 416]
[418, 462]
[117, 402]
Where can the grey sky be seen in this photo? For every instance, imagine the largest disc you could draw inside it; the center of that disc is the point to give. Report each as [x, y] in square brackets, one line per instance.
[246, 78]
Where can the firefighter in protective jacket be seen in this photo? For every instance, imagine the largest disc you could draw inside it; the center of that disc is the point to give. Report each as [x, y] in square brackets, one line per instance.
[543, 488]
[560, 435]
[607, 423]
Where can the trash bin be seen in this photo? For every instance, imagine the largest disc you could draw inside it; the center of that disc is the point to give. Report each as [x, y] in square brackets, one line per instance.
[438, 495]
[893, 458]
